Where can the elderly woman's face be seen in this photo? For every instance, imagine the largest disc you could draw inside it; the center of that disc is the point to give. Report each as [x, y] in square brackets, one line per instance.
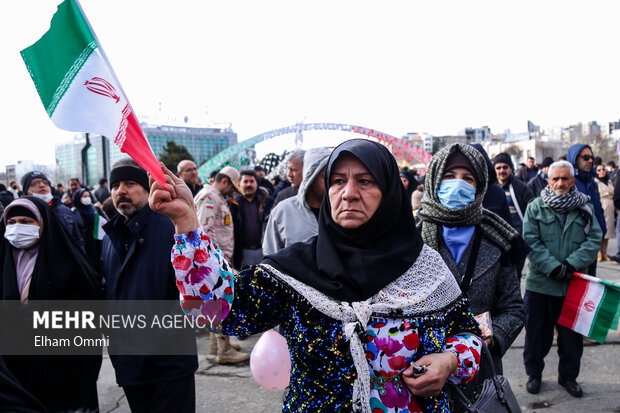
[460, 173]
[354, 194]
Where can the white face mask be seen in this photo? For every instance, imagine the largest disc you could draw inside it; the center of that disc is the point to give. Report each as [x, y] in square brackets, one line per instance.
[86, 201]
[45, 197]
[22, 235]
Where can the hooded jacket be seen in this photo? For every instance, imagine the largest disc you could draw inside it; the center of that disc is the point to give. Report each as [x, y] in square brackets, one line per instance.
[292, 220]
[585, 184]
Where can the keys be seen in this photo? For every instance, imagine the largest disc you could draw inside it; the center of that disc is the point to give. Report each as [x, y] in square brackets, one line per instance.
[417, 370]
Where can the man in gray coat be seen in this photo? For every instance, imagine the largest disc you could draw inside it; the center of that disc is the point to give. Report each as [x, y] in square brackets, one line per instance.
[295, 219]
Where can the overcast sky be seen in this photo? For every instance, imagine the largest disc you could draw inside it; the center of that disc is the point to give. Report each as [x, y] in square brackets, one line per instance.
[397, 66]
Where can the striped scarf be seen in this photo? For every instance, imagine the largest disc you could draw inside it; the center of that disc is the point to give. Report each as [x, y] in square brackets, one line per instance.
[565, 203]
[434, 215]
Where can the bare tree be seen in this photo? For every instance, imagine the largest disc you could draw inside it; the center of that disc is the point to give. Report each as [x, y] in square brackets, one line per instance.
[602, 145]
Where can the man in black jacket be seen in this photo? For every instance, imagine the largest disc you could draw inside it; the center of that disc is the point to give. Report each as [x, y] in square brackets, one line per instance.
[494, 200]
[136, 265]
[250, 213]
[518, 195]
[539, 182]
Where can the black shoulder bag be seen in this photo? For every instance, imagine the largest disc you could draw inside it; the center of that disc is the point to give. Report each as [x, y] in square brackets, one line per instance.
[495, 393]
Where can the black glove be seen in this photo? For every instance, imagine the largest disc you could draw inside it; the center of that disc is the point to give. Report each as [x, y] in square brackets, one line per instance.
[559, 272]
[569, 270]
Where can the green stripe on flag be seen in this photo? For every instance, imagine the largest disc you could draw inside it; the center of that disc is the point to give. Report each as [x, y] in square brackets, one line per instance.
[605, 314]
[616, 287]
[58, 55]
[96, 228]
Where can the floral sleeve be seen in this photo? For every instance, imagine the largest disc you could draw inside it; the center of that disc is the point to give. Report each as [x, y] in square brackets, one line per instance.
[467, 348]
[208, 288]
[203, 277]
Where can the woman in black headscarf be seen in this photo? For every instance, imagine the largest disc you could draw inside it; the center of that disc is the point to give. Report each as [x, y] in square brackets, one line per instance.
[479, 247]
[40, 261]
[86, 215]
[409, 182]
[357, 304]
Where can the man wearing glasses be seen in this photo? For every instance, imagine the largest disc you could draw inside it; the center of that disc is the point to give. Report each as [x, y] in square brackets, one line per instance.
[582, 158]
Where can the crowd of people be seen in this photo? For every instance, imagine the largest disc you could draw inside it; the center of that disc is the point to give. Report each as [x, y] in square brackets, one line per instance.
[368, 269]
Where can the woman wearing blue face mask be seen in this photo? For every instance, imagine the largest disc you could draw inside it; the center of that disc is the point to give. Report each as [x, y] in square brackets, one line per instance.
[477, 245]
[39, 261]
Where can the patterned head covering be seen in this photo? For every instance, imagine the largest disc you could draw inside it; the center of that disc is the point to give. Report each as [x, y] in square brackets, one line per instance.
[434, 214]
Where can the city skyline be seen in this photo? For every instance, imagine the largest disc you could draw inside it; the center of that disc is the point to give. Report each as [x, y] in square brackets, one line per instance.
[398, 68]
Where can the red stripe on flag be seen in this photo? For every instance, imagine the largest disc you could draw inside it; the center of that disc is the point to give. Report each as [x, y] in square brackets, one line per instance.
[573, 301]
[136, 146]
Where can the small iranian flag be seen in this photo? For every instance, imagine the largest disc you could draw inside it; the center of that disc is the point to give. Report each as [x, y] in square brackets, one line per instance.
[98, 232]
[79, 89]
[591, 307]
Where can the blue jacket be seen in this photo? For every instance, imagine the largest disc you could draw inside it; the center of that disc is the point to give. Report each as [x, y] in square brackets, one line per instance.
[67, 219]
[135, 258]
[585, 184]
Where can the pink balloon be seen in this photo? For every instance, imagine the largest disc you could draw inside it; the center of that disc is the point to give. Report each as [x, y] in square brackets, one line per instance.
[270, 361]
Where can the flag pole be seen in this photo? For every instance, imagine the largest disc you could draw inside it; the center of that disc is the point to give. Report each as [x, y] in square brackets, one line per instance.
[118, 83]
[104, 56]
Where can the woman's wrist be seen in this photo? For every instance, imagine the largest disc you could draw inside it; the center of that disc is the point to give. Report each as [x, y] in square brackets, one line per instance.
[186, 223]
[453, 358]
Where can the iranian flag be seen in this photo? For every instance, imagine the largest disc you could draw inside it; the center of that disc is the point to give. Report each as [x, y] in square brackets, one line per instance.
[98, 231]
[79, 89]
[591, 307]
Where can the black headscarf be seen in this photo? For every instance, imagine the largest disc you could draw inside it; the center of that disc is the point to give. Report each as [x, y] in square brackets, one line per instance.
[354, 264]
[87, 212]
[61, 271]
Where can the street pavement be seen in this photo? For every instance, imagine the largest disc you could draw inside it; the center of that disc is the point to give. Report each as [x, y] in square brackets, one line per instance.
[232, 388]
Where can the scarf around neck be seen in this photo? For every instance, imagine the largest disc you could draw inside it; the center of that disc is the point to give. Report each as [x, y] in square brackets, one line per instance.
[565, 203]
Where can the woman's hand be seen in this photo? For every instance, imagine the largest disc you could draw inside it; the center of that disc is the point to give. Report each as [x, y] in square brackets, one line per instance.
[174, 201]
[439, 366]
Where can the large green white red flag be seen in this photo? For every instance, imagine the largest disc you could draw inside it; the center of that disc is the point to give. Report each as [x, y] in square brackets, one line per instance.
[79, 89]
[591, 307]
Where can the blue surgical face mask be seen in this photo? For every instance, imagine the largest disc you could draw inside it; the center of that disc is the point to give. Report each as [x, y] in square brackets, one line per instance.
[456, 193]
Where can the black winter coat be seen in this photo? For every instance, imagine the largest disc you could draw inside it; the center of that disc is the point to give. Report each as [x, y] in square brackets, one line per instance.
[136, 265]
[522, 192]
[265, 203]
[495, 201]
[536, 185]
[6, 198]
[494, 287]
[67, 219]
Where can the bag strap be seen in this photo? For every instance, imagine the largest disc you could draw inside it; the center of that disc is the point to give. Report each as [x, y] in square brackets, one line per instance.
[471, 264]
[499, 390]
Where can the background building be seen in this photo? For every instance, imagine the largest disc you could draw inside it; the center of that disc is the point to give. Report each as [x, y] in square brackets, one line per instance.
[21, 168]
[203, 143]
[476, 135]
[100, 155]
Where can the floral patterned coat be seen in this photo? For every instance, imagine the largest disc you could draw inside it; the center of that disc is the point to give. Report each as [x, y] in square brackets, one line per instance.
[339, 363]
